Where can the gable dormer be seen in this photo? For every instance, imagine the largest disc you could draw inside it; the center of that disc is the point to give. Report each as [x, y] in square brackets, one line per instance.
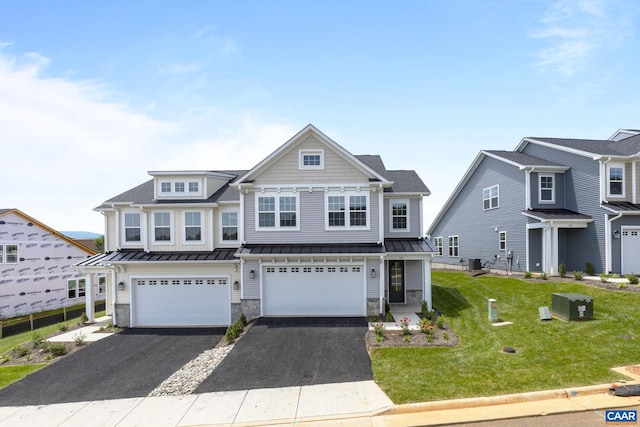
[624, 134]
[187, 185]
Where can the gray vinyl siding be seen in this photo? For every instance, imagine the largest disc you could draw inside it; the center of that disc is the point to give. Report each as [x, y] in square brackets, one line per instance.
[582, 183]
[415, 205]
[251, 286]
[312, 224]
[373, 283]
[413, 275]
[559, 186]
[478, 230]
[214, 184]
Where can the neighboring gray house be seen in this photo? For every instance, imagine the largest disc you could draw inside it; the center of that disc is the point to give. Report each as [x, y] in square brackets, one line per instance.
[312, 230]
[547, 202]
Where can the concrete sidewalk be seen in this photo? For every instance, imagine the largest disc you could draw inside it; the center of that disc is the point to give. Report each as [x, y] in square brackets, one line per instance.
[89, 332]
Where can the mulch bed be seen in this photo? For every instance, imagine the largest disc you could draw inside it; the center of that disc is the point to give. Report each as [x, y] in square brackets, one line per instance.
[416, 339]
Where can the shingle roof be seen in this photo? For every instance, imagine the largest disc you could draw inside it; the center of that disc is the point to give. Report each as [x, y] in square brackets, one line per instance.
[523, 159]
[404, 181]
[626, 147]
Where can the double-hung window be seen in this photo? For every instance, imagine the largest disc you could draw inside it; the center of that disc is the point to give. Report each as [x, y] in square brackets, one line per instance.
[8, 254]
[616, 180]
[502, 241]
[546, 190]
[162, 226]
[102, 285]
[277, 212]
[454, 246]
[229, 221]
[399, 215]
[71, 288]
[132, 227]
[490, 198]
[437, 242]
[82, 287]
[193, 226]
[347, 211]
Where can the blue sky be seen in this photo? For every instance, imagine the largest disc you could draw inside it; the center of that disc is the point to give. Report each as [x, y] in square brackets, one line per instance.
[95, 94]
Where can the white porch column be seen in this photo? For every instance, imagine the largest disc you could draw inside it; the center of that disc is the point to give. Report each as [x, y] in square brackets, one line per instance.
[550, 250]
[89, 298]
[381, 279]
[426, 283]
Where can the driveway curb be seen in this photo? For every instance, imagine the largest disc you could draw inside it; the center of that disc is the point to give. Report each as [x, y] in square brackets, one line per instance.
[475, 402]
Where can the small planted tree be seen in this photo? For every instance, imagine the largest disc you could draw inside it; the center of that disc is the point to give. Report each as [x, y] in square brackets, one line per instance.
[562, 270]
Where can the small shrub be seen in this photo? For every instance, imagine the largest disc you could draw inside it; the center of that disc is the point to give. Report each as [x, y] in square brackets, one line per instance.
[389, 316]
[604, 277]
[632, 278]
[79, 338]
[58, 349]
[28, 358]
[20, 350]
[445, 336]
[404, 325]
[243, 320]
[406, 338]
[588, 268]
[528, 275]
[37, 339]
[440, 322]
[543, 276]
[5, 358]
[387, 307]
[62, 327]
[429, 338]
[562, 270]
[379, 339]
[109, 325]
[378, 329]
[577, 275]
[622, 285]
[83, 319]
[48, 357]
[614, 275]
[426, 326]
[101, 329]
[230, 335]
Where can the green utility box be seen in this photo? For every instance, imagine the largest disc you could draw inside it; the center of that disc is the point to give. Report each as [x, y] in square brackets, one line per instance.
[572, 306]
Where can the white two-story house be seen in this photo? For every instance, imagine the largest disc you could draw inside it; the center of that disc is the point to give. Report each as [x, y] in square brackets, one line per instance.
[312, 230]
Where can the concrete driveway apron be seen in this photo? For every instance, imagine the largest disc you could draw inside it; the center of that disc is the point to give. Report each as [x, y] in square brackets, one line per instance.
[284, 352]
[129, 364]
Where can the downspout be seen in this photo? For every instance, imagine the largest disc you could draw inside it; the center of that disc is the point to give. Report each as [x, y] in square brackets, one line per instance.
[381, 215]
[117, 228]
[603, 179]
[144, 230]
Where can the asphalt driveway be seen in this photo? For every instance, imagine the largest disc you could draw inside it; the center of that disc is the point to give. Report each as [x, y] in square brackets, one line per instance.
[129, 364]
[283, 352]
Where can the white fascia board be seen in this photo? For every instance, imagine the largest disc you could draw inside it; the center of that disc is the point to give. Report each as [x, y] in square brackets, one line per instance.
[160, 205]
[406, 194]
[324, 138]
[456, 191]
[534, 168]
[560, 222]
[190, 173]
[502, 159]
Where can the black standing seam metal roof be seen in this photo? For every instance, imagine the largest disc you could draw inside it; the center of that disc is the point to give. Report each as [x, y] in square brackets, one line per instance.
[409, 246]
[561, 214]
[270, 250]
[622, 206]
[142, 256]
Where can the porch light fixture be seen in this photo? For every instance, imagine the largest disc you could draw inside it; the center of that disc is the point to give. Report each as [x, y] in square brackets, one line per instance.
[121, 286]
[236, 285]
[373, 273]
[252, 274]
[616, 234]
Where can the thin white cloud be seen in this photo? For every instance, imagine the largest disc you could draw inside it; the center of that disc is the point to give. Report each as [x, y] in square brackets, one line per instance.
[575, 34]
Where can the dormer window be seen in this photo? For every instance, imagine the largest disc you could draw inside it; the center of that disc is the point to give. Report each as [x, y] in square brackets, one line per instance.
[311, 159]
[165, 187]
[193, 187]
[179, 187]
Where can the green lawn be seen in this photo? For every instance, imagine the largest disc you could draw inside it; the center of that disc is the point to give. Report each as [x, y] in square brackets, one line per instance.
[550, 355]
[10, 374]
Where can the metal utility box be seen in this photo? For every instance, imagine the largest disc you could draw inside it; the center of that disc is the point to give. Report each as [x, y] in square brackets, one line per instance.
[572, 306]
[475, 264]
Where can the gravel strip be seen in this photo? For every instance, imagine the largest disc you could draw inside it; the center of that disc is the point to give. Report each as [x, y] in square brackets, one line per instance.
[187, 378]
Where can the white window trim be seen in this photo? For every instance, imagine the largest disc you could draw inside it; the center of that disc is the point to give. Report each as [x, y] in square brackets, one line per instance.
[102, 285]
[171, 229]
[302, 153]
[500, 240]
[449, 246]
[4, 253]
[184, 228]
[277, 226]
[181, 194]
[347, 211]
[221, 240]
[408, 215]
[439, 248]
[624, 190]
[498, 197]
[553, 188]
[126, 242]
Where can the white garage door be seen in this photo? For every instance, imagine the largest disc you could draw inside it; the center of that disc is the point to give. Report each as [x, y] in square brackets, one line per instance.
[313, 291]
[181, 302]
[630, 250]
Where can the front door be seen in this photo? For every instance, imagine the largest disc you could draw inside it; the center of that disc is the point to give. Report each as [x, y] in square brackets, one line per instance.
[396, 281]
